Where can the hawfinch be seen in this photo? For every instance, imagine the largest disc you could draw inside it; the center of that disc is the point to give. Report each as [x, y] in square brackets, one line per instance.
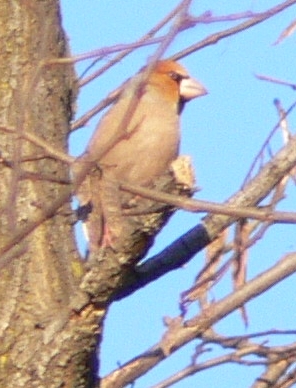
[137, 139]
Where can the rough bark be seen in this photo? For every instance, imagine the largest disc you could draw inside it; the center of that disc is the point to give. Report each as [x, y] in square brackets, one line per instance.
[43, 344]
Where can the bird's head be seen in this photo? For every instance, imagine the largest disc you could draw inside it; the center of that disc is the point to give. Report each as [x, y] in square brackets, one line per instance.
[175, 83]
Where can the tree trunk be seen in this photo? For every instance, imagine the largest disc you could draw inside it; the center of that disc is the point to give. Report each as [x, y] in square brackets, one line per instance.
[43, 343]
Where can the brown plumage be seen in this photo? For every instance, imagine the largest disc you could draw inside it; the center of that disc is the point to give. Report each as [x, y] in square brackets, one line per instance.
[138, 146]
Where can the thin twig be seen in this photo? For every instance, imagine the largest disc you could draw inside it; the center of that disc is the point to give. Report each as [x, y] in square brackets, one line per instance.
[194, 205]
[123, 54]
[215, 38]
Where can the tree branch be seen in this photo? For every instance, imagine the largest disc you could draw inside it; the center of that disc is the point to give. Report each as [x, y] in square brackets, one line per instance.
[215, 38]
[191, 329]
[184, 248]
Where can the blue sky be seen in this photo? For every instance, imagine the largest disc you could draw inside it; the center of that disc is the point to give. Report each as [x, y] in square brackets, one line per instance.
[222, 132]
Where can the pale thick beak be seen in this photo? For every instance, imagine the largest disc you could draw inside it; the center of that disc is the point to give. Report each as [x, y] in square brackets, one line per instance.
[191, 88]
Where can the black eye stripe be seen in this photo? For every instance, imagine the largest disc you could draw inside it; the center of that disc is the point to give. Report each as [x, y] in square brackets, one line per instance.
[177, 76]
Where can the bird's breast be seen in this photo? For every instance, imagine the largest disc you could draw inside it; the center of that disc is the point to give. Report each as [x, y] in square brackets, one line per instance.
[151, 144]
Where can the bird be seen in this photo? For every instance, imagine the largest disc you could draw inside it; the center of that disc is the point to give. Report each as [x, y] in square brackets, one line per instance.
[135, 141]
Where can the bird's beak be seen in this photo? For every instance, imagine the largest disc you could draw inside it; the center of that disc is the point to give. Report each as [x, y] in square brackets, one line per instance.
[191, 88]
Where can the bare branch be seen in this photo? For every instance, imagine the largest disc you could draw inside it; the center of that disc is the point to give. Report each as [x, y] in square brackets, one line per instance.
[184, 248]
[212, 39]
[215, 38]
[44, 145]
[197, 206]
[275, 80]
[123, 54]
[272, 374]
[196, 326]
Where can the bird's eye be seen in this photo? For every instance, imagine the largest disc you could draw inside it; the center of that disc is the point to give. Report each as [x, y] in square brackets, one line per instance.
[176, 76]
